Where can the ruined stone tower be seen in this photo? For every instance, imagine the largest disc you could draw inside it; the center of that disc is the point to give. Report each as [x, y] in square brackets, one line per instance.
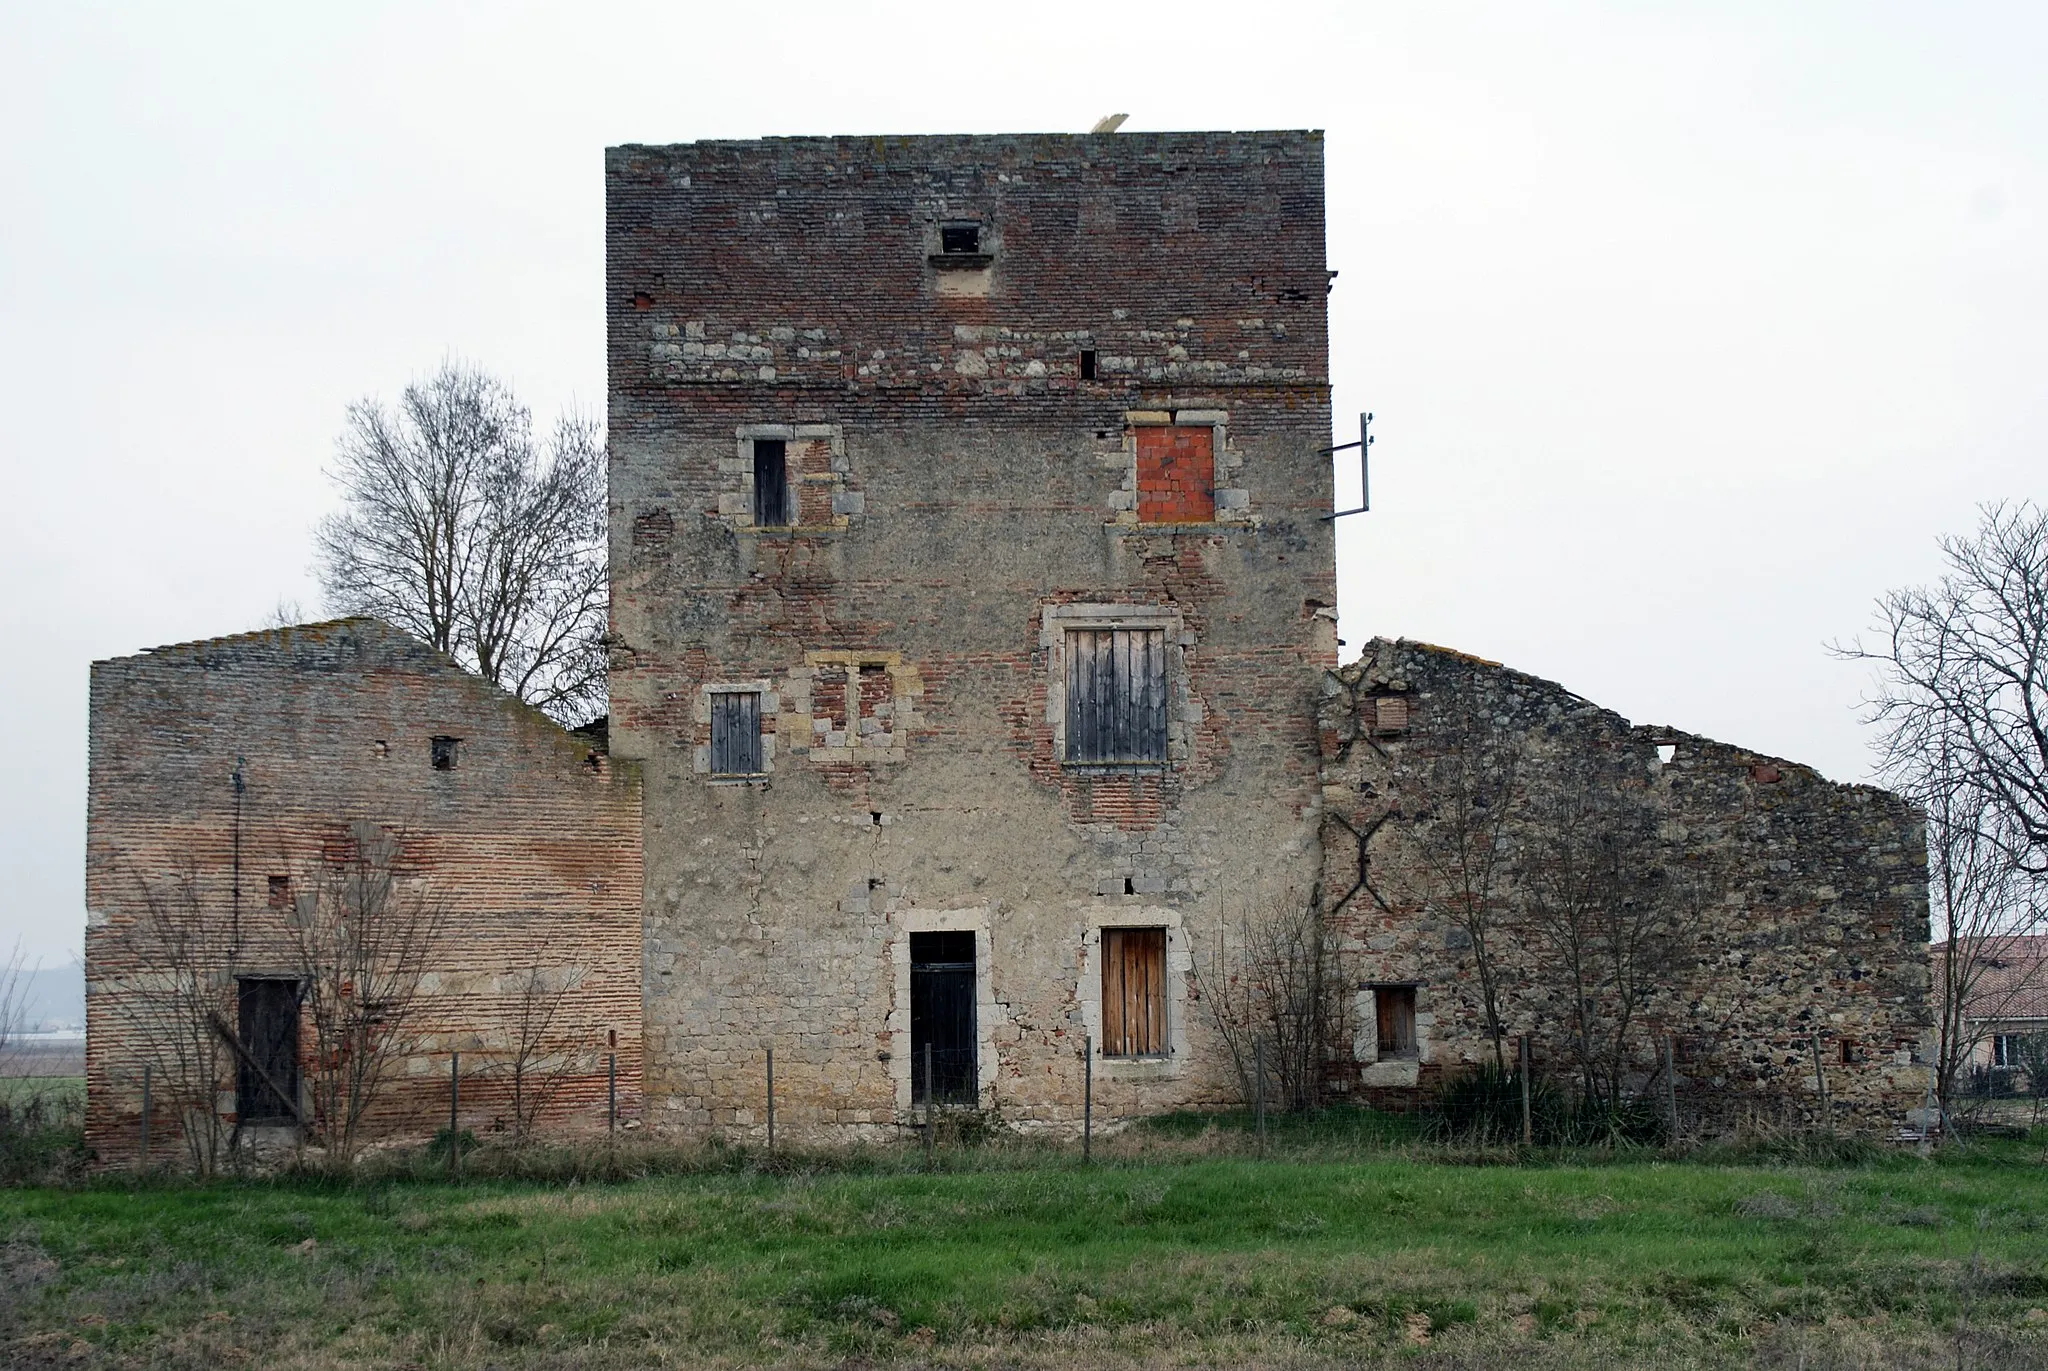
[971, 601]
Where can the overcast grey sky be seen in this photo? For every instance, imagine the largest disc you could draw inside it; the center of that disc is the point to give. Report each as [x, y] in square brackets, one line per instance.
[1688, 328]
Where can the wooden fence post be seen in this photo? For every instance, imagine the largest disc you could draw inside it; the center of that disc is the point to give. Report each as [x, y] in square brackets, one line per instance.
[1528, 1118]
[771, 1104]
[454, 1116]
[1087, 1098]
[1671, 1088]
[1259, 1106]
[145, 1116]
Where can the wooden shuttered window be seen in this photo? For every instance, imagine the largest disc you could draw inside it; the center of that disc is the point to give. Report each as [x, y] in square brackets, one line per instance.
[736, 733]
[1133, 992]
[1116, 695]
[1394, 1008]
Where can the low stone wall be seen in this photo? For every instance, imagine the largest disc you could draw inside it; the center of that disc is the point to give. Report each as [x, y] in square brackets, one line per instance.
[1779, 919]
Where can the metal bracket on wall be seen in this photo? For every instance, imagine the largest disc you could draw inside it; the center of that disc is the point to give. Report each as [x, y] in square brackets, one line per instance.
[1364, 446]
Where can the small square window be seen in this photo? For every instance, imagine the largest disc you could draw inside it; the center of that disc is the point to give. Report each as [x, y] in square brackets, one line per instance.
[280, 892]
[736, 733]
[959, 238]
[444, 752]
[771, 483]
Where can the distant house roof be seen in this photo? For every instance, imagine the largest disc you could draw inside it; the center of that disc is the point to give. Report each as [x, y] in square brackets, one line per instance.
[2013, 981]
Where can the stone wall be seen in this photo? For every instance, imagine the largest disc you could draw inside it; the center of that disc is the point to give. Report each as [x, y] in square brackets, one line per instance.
[227, 775]
[1800, 926]
[962, 432]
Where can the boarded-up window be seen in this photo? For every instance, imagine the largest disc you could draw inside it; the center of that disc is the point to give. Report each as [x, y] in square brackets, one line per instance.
[267, 1067]
[736, 733]
[1116, 695]
[1133, 992]
[771, 483]
[1176, 475]
[1394, 1007]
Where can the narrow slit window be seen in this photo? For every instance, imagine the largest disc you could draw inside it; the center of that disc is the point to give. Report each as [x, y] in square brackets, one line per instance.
[1087, 364]
[1116, 695]
[771, 483]
[1394, 1012]
[1134, 992]
[443, 752]
[736, 733]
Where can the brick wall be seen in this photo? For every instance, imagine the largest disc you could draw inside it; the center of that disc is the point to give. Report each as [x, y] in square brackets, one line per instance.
[966, 497]
[531, 845]
[1809, 927]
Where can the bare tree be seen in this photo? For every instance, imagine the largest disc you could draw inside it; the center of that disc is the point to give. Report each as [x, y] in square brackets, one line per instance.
[361, 935]
[1963, 680]
[1273, 979]
[461, 529]
[1983, 905]
[1961, 713]
[539, 1058]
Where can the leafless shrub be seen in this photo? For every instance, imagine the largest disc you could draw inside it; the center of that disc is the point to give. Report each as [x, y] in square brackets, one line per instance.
[1607, 918]
[361, 936]
[463, 530]
[174, 989]
[1272, 980]
[1461, 811]
[540, 1059]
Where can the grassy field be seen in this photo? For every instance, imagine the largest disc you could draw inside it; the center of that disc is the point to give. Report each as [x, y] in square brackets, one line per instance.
[1175, 1248]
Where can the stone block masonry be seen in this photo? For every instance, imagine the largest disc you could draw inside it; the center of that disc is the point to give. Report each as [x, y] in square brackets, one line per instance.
[227, 774]
[1791, 979]
[987, 341]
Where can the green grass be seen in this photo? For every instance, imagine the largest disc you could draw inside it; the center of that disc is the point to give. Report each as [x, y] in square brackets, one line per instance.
[1161, 1253]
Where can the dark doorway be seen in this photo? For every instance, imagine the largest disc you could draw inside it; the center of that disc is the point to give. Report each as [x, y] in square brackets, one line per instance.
[942, 1015]
[267, 1071]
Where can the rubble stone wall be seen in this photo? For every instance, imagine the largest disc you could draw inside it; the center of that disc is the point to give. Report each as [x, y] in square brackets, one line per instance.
[530, 845]
[1800, 957]
[966, 493]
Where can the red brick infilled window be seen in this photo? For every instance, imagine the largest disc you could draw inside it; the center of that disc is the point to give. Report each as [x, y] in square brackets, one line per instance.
[1176, 475]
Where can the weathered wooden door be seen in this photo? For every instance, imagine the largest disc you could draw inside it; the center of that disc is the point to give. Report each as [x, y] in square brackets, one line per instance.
[942, 1016]
[267, 1074]
[1133, 992]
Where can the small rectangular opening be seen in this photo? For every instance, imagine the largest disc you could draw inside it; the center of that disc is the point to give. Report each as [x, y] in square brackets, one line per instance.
[444, 752]
[280, 892]
[1850, 1055]
[959, 238]
[736, 733]
[771, 483]
[1394, 1012]
[1087, 364]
